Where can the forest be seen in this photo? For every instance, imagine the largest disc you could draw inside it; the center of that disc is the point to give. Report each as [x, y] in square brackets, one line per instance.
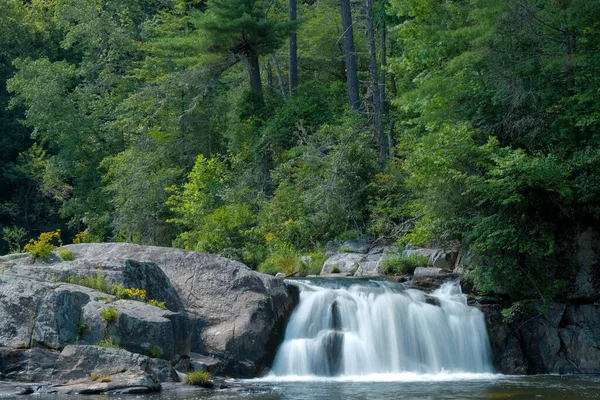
[262, 129]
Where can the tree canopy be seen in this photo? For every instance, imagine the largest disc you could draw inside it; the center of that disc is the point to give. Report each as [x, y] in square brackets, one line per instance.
[170, 122]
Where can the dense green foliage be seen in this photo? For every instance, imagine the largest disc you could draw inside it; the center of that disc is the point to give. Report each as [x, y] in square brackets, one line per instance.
[169, 122]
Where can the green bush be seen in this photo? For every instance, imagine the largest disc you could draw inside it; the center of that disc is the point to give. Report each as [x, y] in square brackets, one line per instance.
[401, 264]
[66, 255]
[335, 269]
[14, 236]
[110, 314]
[285, 259]
[315, 263]
[200, 378]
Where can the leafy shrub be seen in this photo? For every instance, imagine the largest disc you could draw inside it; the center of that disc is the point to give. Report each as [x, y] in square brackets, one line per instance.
[313, 264]
[105, 379]
[42, 247]
[14, 236]
[156, 303]
[335, 269]
[94, 376]
[66, 255]
[401, 264]
[110, 314]
[200, 378]
[284, 259]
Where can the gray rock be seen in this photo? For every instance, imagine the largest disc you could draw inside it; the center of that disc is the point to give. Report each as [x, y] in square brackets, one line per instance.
[438, 258]
[60, 315]
[167, 332]
[162, 371]
[199, 362]
[93, 369]
[344, 262]
[20, 298]
[370, 265]
[237, 315]
[507, 352]
[564, 339]
[78, 362]
[27, 365]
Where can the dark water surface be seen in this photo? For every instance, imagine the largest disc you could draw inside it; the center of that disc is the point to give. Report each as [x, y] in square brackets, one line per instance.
[493, 387]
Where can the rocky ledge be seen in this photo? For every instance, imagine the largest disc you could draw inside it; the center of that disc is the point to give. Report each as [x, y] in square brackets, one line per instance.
[218, 315]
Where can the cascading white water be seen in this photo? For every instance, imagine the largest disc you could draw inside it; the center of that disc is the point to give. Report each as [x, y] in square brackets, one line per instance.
[380, 328]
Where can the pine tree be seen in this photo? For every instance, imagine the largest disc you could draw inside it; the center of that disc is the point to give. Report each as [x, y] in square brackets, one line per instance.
[239, 27]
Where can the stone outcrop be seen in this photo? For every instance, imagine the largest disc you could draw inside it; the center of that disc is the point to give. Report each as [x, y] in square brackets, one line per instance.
[217, 308]
[560, 339]
[444, 259]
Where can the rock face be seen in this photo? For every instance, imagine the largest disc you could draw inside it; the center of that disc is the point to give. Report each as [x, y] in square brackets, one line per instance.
[564, 339]
[216, 307]
[444, 259]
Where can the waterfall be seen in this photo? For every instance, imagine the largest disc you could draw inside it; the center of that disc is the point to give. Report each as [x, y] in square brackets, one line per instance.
[373, 327]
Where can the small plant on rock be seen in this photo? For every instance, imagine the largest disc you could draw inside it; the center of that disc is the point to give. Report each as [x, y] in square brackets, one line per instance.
[110, 314]
[156, 303]
[108, 343]
[82, 329]
[66, 255]
[105, 379]
[200, 378]
[335, 269]
[154, 351]
[94, 376]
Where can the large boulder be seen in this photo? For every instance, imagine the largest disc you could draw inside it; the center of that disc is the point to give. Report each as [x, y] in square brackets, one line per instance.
[216, 307]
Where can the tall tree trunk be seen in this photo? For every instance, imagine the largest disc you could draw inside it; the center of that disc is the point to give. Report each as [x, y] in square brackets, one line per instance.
[254, 73]
[279, 76]
[381, 144]
[293, 42]
[351, 70]
[383, 68]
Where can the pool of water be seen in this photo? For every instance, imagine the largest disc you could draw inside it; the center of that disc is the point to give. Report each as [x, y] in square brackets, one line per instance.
[405, 387]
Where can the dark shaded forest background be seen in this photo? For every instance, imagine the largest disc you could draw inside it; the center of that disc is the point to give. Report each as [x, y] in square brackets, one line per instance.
[236, 127]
